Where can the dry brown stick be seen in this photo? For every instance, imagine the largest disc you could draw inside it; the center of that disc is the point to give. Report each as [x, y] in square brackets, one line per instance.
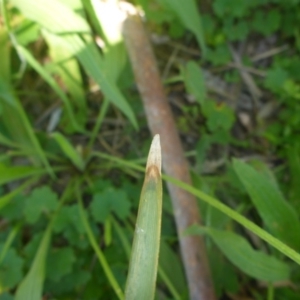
[160, 120]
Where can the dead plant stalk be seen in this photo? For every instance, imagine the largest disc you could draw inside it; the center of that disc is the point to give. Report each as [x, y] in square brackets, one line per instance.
[160, 120]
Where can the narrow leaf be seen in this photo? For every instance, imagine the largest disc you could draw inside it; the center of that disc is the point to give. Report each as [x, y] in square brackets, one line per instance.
[252, 262]
[189, 14]
[48, 78]
[58, 18]
[32, 285]
[8, 174]
[100, 255]
[194, 81]
[145, 249]
[69, 150]
[279, 217]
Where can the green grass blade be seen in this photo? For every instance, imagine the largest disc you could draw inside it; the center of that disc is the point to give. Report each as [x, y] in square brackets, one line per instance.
[189, 14]
[145, 249]
[32, 285]
[48, 78]
[8, 174]
[69, 150]
[103, 262]
[9, 241]
[4, 200]
[60, 19]
[66, 66]
[264, 235]
[17, 124]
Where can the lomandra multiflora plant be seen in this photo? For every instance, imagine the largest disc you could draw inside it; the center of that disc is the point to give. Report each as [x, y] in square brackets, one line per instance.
[145, 250]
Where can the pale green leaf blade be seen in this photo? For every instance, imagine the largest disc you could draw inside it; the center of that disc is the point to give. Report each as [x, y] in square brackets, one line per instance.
[189, 14]
[8, 174]
[263, 234]
[69, 150]
[17, 124]
[31, 287]
[114, 52]
[255, 263]
[194, 81]
[276, 212]
[142, 273]
[49, 15]
[4, 200]
[66, 66]
[99, 253]
[49, 79]
[53, 15]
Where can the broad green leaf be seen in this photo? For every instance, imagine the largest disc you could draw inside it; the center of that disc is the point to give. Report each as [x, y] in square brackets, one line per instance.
[8, 174]
[110, 200]
[224, 274]
[143, 265]
[235, 8]
[68, 216]
[219, 116]
[255, 263]
[189, 14]
[268, 22]
[60, 262]
[31, 287]
[194, 81]
[277, 214]
[69, 150]
[69, 283]
[49, 15]
[41, 200]
[10, 269]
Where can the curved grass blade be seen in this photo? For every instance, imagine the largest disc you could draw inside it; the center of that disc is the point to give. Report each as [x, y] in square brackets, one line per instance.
[264, 235]
[278, 215]
[4, 200]
[32, 285]
[9, 241]
[8, 174]
[238, 250]
[189, 15]
[48, 78]
[69, 150]
[17, 124]
[145, 249]
[60, 19]
[106, 268]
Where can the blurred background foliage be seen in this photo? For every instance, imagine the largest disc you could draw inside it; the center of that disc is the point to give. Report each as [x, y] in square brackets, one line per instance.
[71, 118]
